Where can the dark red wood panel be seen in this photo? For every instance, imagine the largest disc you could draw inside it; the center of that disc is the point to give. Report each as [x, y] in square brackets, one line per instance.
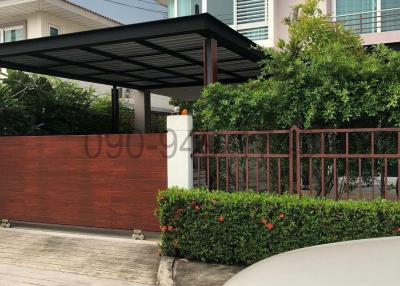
[105, 181]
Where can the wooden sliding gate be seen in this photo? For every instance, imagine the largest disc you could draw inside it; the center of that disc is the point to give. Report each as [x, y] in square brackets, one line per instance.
[105, 181]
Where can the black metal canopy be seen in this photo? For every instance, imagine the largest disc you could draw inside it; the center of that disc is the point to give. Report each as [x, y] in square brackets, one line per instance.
[152, 55]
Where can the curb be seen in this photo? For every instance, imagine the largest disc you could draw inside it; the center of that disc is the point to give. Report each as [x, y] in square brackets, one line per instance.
[164, 275]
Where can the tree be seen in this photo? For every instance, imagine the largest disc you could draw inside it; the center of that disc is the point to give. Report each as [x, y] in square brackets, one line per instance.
[14, 117]
[101, 117]
[322, 77]
[38, 105]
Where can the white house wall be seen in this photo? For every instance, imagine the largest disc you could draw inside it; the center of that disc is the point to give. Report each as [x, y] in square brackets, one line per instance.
[282, 9]
[65, 26]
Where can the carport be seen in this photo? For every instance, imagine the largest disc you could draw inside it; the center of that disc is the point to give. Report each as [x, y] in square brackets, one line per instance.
[112, 181]
[173, 57]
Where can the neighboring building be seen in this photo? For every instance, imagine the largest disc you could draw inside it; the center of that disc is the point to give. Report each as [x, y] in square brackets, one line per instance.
[378, 21]
[29, 19]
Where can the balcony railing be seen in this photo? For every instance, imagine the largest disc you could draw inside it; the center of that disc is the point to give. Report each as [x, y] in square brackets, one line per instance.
[371, 22]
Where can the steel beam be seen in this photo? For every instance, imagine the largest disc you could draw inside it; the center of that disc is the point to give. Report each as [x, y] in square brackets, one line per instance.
[115, 109]
[210, 61]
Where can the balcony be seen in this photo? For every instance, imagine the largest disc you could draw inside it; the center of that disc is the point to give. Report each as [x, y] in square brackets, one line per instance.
[375, 27]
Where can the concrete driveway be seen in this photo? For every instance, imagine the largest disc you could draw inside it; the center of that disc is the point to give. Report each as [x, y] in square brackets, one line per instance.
[30, 257]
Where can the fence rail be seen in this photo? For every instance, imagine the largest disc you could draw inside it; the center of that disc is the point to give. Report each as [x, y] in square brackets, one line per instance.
[371, 21]
[335, 163]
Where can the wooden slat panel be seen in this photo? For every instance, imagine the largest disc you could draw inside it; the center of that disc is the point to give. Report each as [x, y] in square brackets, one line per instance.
[96, 181]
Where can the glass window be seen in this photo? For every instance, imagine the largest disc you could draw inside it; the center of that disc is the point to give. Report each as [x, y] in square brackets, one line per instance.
[255, 34]
[171, 9]
[251, 11]
[189, 7]
[358, 15]
[221, 9]
[390, 15]
[13, 34]
[54, 31]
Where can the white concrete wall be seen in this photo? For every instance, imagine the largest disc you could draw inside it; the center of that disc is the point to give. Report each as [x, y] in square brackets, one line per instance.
[34, 26]
[281, 9]
[64, 26]
[381, 38]
[179, 151]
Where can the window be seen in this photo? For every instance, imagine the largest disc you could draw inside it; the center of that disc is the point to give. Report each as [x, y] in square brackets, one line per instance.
[365, 16]
[390, 15]
[54, 31]
[12, 34]
[250, 11]
[255, 34]
[189, 7]
[171, 9]
[221, 9]
[357, 15]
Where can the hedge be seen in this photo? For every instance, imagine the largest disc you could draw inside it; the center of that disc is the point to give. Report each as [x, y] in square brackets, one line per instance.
[243, 228]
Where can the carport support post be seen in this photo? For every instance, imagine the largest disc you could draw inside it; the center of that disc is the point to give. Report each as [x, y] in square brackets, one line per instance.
[179, 151]
[115, 109]
[142, 111]
[210, 61]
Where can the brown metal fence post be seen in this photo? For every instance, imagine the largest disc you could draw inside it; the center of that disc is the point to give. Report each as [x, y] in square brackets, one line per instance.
[298, 163]
[291, 159]
[398, 167]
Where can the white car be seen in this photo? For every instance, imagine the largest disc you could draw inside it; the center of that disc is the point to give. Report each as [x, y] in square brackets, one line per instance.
[371, 262]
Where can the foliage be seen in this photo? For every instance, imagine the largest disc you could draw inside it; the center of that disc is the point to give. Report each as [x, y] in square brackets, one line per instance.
[243, 228]
[102, 116]
[182, 104]
[158, 123]
[322, 77]
[227, 107]
[38, 105]
[13, 115]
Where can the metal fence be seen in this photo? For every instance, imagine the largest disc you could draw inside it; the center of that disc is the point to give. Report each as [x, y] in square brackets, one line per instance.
[334, 163]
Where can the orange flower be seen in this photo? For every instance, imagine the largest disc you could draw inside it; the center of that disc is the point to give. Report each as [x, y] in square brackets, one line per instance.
[221, 219]
[270, 226]
[282, 216]
[164, 229]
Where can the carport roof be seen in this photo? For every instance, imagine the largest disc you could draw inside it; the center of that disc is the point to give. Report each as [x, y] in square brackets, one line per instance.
[152, 55]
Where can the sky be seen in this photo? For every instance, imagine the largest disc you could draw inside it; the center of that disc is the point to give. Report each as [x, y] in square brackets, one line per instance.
[125, 13]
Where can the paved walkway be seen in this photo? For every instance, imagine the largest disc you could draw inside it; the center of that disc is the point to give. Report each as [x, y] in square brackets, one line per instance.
[189, 273]
[44, 258]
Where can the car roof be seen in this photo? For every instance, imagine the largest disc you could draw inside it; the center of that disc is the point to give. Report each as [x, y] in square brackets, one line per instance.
[363, 262]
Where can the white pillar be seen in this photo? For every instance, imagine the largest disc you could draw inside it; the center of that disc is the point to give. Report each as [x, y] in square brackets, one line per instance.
[378, 16]
[179, 150]
[142, 111]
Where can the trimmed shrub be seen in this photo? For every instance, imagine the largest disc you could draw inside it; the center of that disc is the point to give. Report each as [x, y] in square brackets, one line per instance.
[243, 228]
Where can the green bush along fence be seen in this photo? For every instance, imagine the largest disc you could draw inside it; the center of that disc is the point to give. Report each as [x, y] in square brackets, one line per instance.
[245, 227]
